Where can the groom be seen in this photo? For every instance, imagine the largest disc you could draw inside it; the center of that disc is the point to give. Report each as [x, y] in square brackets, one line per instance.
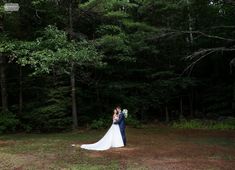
[121, 123]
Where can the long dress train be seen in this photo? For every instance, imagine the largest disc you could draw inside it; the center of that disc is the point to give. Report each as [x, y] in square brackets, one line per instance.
[111, 139]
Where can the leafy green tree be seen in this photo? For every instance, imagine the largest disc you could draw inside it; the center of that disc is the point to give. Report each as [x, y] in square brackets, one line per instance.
[53, 51]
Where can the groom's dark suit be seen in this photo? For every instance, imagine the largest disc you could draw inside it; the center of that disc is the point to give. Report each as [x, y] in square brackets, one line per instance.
[122, 126]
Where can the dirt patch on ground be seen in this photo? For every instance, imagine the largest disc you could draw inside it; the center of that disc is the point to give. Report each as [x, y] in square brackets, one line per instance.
[177, 150]
[6, 143]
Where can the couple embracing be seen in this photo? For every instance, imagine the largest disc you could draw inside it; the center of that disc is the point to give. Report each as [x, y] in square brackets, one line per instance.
[115, 136]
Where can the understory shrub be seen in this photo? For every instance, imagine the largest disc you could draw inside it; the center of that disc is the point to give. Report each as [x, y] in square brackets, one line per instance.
[47, 119]
[51, 115]
[225, 124]
[8, 122]
[100, 123]
[106, 122]
[133, 122]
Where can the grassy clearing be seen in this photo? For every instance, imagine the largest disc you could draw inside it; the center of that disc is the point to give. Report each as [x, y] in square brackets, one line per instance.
[148, 148]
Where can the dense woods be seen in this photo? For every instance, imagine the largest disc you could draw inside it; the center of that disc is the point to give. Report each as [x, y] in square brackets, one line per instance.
[69, 62]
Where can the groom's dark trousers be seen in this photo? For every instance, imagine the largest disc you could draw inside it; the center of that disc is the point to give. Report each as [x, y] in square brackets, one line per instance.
[122, 126]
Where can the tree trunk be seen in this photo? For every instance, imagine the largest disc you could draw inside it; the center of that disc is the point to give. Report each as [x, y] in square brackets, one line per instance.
[98, 101]
[142, 114]
[72, 74]
[74, 106]
[190, 24]
[232, 70]
[233, 102]
[70, 19]
[54, 77]
[167, 114]
[3, 83]
[181, 107]
[20, 91]
[191, 104]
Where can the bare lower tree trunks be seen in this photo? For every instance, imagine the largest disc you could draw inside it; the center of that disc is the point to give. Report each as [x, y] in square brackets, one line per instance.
[3, 83]
[20, 90]
[73, 93]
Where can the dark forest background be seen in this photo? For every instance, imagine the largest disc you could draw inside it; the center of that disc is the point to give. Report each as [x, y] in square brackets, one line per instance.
[70, 62]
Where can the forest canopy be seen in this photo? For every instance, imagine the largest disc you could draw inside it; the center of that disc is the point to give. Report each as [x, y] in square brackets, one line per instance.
[68, 63]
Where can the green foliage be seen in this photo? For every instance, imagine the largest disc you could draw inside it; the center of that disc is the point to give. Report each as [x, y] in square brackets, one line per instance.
[8, 122]
[138, 26]
[83, 54]
[133, 122]
[6, 45]
[167, 85]
[216, 99]
[114, 43]
[47, 119]
[192, 124]
[108, 29]
[227, 124]
[52, 49]
[52, 38]
[51, 116]
[142, 43]
[36, 3]
[22, 53]
[100, 123]
[107, 5]
[116, 15]
[105, 122]
[1, 9]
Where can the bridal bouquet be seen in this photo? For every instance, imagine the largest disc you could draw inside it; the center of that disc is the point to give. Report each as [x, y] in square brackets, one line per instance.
[125, 112]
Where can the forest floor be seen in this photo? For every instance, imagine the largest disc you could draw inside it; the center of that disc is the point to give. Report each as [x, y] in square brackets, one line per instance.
[159, 148]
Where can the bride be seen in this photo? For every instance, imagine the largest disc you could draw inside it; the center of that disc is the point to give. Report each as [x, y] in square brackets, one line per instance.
[111, 139]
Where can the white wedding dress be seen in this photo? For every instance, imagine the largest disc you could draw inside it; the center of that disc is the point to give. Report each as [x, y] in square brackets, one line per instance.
[112, 139]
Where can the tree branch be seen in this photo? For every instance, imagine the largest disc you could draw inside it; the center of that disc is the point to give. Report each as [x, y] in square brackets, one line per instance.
[223, 26]
[203, 51]
[191, 66]
[179, 32]
[208, 35]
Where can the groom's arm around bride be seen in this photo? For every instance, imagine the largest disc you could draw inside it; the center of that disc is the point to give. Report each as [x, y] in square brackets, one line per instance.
[120, 119]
